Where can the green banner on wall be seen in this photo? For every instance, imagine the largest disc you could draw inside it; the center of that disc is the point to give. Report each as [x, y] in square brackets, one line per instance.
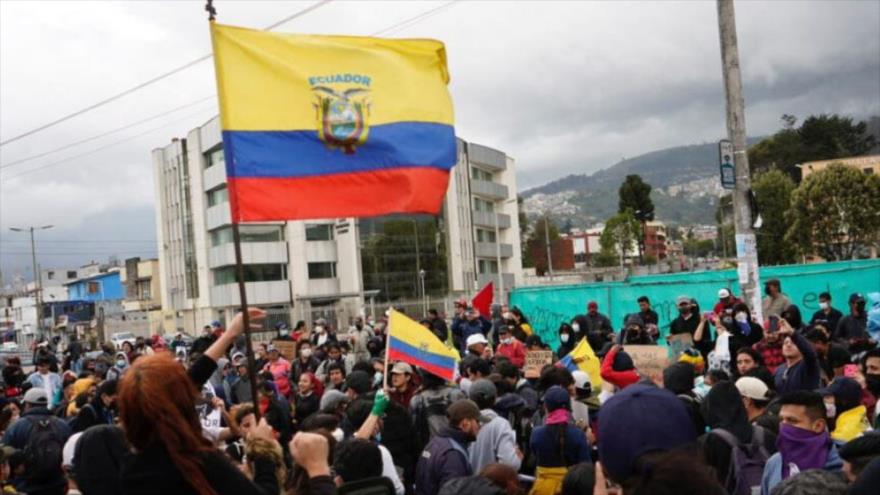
[547, 307]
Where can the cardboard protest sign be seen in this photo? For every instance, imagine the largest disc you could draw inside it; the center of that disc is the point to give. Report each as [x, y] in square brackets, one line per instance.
[535, 360]
[287, 348]
[677, 344]
[649, 360]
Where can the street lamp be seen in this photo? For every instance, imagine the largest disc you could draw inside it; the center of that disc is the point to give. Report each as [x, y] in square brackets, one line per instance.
[424, 294]
[38, 277]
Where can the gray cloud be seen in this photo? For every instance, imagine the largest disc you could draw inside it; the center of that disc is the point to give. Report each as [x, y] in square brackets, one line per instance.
[564, 87]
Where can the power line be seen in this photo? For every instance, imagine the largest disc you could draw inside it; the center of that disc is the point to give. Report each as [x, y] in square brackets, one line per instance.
[398, 26]
[153, 80]
[101, 148]
[104, 134]
[415, 19]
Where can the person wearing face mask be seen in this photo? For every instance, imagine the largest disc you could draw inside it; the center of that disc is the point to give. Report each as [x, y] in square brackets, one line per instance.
[743, 331]
[510, 347]
[446, 455]
[775, 302]
[870, 367]
[827, 315]
[566, 340]
[803, 443]
[305, 362]
[843, 405]
[322, 334]
[120, 366]
[634, 332]
[801, 370]
[595, 326]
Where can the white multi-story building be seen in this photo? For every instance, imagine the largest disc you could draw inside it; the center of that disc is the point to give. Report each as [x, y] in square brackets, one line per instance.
[308, 269]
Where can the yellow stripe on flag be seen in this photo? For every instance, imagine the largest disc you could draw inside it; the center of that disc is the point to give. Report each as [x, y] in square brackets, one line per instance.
[587, 361]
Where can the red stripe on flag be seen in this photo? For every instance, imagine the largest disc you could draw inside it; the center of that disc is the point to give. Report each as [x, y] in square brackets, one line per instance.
[445, 373]
[362, 194]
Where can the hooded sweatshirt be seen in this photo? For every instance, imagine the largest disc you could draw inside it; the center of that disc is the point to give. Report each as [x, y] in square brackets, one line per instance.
[724, 410]
[115, 372]
[679, 379]
[97, 460]
[496, 443]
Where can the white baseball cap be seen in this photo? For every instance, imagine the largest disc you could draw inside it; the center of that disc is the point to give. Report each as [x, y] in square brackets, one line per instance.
[581, 379]
[753, 388]
[476, 338]
[723, 294]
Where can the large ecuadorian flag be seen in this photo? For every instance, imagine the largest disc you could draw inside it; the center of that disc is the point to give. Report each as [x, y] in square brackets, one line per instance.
[332, 126]
[412, 343]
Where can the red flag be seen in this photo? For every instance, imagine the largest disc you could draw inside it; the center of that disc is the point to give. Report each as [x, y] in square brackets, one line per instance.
[483, 300]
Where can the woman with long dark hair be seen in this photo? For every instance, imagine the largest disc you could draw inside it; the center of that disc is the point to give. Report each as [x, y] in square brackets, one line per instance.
[157, 406]
[556, 445]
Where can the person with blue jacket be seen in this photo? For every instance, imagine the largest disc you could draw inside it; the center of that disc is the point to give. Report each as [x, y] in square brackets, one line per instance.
[44, 379]
[803, 442]
[557, 444]
[801, 370]
[446, 455]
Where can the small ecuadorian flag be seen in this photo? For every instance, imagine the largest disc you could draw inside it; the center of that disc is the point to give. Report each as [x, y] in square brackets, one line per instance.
[414, 344]
[583, 358]
[332, 126]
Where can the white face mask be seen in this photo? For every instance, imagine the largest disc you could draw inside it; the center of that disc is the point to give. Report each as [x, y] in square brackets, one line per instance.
[823, 305]
[319, 329]
[506, 341]
[507, 316]
[305, 352]
[576, 327]
[741, 317]
[564, 338]
[377, 378]
[830, 409]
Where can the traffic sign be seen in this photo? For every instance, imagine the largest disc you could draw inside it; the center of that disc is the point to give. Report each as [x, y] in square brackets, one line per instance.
[725, 157]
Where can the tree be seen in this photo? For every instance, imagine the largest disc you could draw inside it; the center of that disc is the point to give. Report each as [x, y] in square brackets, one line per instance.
[620, 233]
[635, 195]
[835, 212]
[726, 229]
[773, 192]
[822, 137]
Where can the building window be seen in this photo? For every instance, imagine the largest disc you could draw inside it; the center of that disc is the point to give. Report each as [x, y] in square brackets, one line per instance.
[214, 157]
[93, 287]
[483, 205]
[325, 269]
[252, 273]
[479, 174]
[71, 274]
[50, 275]
[249, 233]
[487, 266]
[485, 235]
[319, 232]
[217, 196]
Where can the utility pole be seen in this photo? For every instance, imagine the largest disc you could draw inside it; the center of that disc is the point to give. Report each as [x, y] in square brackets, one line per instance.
[38, 277]
[547, 241]
[746, 247]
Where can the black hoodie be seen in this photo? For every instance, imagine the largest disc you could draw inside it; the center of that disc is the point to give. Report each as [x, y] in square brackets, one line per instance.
[678, 378]
[97, 460]
[723, 409]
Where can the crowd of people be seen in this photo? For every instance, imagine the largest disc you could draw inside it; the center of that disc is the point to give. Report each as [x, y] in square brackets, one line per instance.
[780, 406]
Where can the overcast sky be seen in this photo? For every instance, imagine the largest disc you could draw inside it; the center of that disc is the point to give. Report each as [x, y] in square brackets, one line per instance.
[564, 87]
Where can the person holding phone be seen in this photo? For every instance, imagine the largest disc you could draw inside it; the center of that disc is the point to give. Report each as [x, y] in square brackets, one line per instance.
[801, 370]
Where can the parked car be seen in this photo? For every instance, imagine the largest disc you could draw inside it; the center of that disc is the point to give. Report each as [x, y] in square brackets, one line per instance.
[119, 337]
[9, 347]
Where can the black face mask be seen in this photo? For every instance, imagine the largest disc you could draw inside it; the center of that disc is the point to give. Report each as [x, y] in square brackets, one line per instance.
[873, 384]
[684, 311]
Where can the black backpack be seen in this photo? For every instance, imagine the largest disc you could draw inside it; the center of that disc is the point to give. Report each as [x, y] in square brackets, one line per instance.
[42, 452]
[431, 416]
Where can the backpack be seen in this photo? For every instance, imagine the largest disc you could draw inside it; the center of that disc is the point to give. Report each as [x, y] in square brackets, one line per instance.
[746, 462]
[42, 452]
[432, 415]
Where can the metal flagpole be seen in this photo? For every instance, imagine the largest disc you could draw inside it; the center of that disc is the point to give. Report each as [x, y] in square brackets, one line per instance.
[242, 294]
[387, 348]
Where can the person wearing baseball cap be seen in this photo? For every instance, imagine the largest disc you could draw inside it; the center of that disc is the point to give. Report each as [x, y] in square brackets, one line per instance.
[18, 436]
[756, 396]
[557, 445]
[843, 405]
[402, 387]
[595, 326]
[726, 302]
[852, 328]
[446, 455]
